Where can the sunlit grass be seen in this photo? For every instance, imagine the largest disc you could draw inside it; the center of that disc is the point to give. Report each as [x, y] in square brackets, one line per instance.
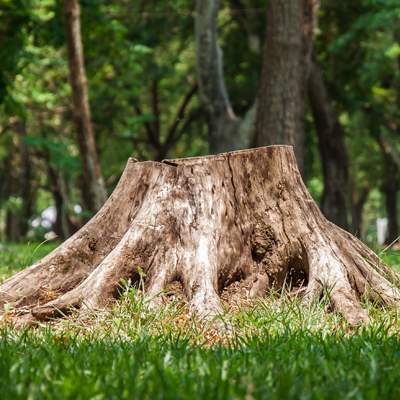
[122, 354]
[16, 257]
[275, 348]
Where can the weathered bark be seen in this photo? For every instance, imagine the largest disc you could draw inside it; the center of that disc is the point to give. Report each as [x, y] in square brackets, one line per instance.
[331, 147]
[94, 183]
[227, 131]
[206, 222]
[289, 38]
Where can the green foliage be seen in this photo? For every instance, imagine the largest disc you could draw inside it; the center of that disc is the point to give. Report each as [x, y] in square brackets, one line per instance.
[134, 50]
[14, 18]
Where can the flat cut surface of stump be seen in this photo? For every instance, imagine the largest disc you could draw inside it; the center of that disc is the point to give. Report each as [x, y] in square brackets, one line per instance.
[206, 222]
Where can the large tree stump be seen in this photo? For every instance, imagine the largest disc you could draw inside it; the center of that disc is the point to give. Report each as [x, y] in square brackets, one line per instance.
[206, 222]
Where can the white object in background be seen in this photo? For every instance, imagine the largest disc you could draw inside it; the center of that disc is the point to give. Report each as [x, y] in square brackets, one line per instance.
[50, 213]
[36, 222]
[50, 235]
[46, 223]
[382, 230]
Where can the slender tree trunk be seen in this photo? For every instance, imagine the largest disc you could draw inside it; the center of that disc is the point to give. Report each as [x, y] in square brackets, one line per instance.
[357, 202]
[13, 213]
[13, 226]
[58, 227]
[247, 21]
[12, 190]
[94, 183]
[5, 187]
[63, 228]
[332, 149]
[25, 177]
[227, 131]
[390, 188]
[289, 38]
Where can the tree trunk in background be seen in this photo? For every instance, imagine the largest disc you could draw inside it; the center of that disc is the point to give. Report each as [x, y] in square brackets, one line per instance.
[289, 37]
[64, 228]
[331, 147]
[390, 189]
[357, 202]
[24, 178]
[227, 132]
[5, 186]
[13, 213]
[242, 218]
[17, 185]
[247, 21]
[13, 226]
[82, 117]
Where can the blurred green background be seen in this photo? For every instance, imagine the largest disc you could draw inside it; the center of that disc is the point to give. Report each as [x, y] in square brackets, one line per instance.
[139, 53]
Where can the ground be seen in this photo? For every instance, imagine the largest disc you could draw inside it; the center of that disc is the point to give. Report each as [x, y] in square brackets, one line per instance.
[277, 349]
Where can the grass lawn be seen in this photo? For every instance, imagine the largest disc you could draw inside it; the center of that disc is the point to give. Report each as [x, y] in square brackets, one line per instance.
[15, 257]
[275, 349]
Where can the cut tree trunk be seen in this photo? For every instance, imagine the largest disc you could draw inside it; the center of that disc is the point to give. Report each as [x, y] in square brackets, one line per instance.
[206, 222]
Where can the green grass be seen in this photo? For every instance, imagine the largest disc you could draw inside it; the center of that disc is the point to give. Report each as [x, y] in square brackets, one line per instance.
[16, 257]
[291, 365]
[274, 349]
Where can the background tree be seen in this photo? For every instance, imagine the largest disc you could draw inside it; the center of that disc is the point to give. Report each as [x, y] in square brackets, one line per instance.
[93, 178]
[142, 84]
[226, 131]
[289, 38]
[334, 157]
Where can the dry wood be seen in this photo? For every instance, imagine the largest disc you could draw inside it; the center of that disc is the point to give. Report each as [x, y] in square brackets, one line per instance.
[206, 222]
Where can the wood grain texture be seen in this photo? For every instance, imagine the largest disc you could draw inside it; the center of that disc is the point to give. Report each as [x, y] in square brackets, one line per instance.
[207, 222]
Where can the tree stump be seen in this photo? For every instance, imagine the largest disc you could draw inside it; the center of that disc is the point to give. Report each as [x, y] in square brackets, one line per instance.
[205, 222]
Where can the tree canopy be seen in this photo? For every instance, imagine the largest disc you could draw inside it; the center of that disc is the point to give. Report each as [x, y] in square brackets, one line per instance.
[143, 87]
